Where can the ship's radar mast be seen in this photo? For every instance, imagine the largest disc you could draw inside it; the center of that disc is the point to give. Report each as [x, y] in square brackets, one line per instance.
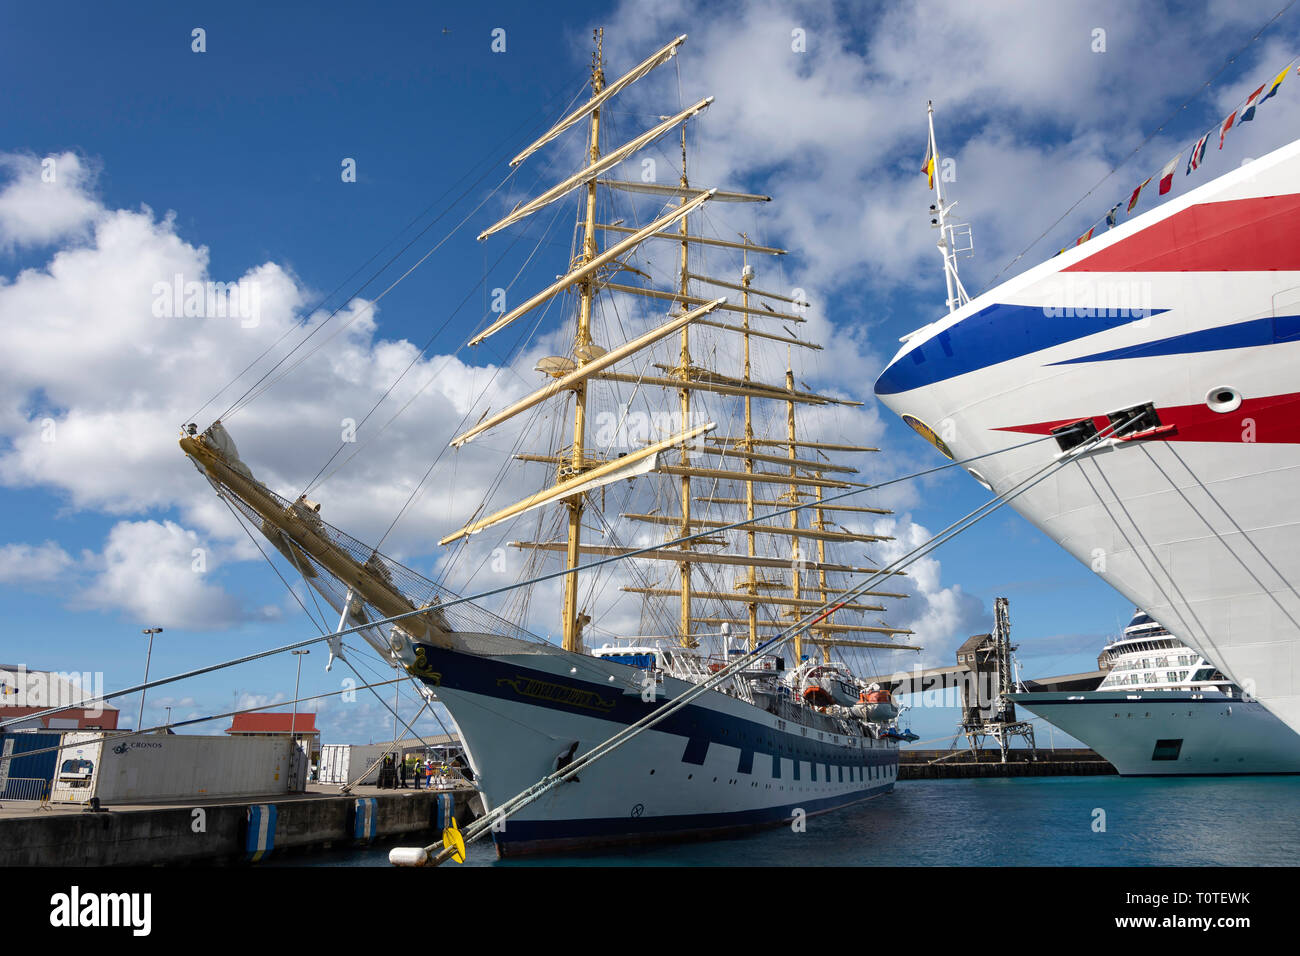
[955, 238]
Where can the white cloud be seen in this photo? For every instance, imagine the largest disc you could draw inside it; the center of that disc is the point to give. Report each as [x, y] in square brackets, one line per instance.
[27, 564]
[151, 570]
[941, 616]
[46, 199]
[247, 701]
[836, 134]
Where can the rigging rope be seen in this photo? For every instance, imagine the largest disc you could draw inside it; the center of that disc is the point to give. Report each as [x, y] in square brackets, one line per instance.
[284, 648]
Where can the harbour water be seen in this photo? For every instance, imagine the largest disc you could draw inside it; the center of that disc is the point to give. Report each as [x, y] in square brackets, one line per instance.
[1043, 821]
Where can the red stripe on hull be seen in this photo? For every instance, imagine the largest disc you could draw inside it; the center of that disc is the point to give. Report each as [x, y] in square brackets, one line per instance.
[1274, 420]
[1242, 235]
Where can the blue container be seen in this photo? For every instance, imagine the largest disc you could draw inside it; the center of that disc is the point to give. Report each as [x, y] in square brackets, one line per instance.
[23, 765]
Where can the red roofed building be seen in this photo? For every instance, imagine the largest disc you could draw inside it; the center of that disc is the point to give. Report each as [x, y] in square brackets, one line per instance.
[24, 692]
[274, 725]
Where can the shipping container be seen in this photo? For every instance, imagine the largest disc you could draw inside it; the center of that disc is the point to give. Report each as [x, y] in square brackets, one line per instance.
[74, 771]
[344, 763]
[20, 768]
[158, 767]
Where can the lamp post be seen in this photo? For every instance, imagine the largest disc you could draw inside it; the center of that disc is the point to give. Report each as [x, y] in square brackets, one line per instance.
[293, 721]
[151, 631]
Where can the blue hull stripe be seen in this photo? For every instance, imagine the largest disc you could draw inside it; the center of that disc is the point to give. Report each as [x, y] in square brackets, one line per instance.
[746, 762]
[1240, 335]
[524, 836]
[991, 336]
[697, 748]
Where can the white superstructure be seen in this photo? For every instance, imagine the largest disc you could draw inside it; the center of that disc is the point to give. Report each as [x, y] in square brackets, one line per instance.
[1163, 709]
[1180, 328]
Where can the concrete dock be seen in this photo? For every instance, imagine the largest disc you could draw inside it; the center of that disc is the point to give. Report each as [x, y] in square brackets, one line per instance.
[220, 831]
[948, 764]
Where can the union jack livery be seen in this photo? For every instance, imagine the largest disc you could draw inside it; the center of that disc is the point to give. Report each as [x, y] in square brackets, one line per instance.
[1183, 327]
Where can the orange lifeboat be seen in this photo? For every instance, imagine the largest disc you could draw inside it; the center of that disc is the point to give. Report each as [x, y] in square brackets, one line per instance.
[881, 696]
[818, 697]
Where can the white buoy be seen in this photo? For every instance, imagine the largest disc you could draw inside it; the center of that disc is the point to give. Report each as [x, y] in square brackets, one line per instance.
[408, 856]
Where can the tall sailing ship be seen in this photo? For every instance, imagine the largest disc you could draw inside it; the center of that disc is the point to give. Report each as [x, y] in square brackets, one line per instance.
[796, 733]
[1171, 341]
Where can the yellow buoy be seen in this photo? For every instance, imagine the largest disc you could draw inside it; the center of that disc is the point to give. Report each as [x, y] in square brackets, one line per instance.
[453, 842]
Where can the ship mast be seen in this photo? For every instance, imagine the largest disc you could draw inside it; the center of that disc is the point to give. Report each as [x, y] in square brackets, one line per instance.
[746, 280]
[580, 471]
[572, 627]
[819, 522]
[365, 586]
[684, 618]
[954, 238]
[795, 494]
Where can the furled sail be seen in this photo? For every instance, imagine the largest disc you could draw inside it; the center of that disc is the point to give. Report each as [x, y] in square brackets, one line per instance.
[666, 53]
[608, 161]
[582, 272]
[631, 465]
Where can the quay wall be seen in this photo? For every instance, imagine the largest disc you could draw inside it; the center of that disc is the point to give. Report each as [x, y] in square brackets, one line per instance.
[947, 764]
[206, 834]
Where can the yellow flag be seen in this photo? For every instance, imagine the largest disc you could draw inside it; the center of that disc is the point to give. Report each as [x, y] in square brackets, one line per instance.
[927, 167]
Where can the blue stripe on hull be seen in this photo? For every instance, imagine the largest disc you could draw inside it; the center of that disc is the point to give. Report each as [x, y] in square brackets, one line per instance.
[991, 336]
[1273, 330]
[525, 837]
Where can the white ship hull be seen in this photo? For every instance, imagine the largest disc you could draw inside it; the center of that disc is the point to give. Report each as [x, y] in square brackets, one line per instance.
[719, 766]
[1195, 308]
[1171, 733]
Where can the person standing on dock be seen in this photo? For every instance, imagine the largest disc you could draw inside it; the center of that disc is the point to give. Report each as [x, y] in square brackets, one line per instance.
[401, 773]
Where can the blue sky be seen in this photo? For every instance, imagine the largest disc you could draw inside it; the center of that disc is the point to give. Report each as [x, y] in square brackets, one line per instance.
[227, 162]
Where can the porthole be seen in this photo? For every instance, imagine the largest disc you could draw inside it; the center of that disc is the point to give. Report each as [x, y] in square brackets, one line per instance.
[1223, 399]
